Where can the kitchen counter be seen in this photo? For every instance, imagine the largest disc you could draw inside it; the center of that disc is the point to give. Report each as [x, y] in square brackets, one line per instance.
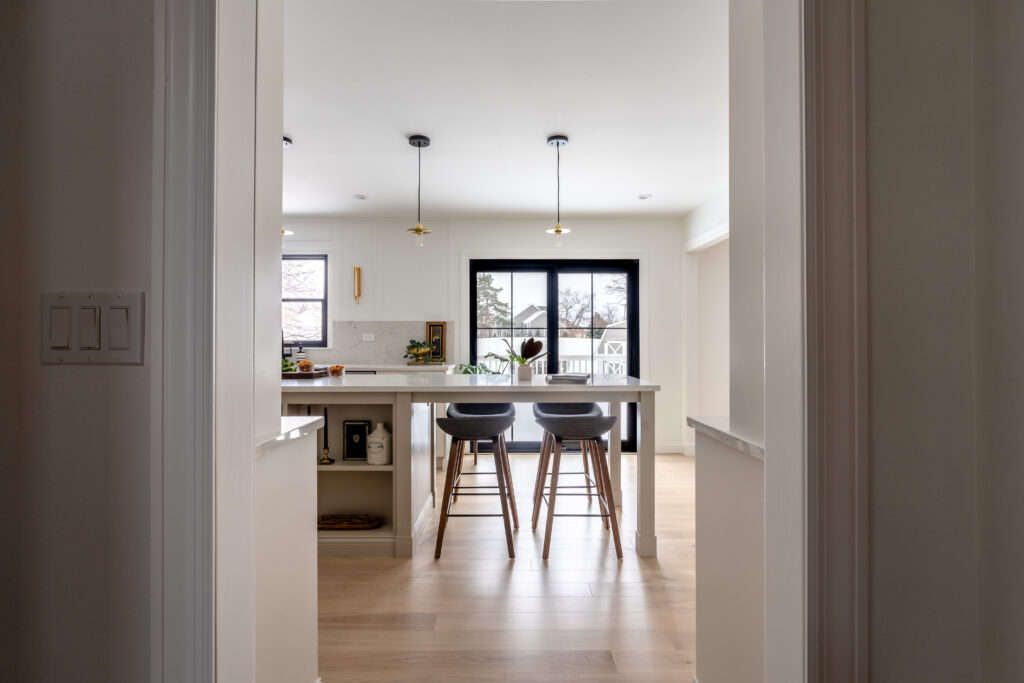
[440, 384]
[409, 402]
[445, 368]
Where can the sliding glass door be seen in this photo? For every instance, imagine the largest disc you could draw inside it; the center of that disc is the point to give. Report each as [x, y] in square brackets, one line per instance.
[584, 311]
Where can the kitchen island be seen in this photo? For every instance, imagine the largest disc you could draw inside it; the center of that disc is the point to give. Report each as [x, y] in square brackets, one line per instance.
[405, 402]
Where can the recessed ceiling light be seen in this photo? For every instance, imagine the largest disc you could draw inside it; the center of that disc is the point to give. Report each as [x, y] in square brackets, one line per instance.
[360, 197]
[644, 196]
[287, 142]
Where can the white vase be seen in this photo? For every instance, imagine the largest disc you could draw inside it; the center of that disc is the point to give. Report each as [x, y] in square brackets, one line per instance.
[525, 373]
[378, 446]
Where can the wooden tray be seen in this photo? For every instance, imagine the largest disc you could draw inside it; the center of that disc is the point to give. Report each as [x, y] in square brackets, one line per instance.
[298, 374]
[348, 522]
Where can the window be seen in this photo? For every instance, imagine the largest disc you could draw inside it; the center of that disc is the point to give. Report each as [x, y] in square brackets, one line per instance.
[304, 300]
[585, 311]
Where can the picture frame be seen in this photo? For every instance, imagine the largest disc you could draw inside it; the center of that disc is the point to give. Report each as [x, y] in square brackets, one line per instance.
[355, 433]
[437, 336]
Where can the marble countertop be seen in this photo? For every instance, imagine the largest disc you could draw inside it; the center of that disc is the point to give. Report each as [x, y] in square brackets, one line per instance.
[720, 429]
[291, 428]
[400, 368]
[438, 382]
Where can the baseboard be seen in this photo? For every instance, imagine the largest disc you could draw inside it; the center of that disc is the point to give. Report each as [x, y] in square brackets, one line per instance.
[668, 448]
[690, 448]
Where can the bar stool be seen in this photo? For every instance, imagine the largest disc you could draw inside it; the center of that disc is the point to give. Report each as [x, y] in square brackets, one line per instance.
[469, 409]
[547, 442]
[465, 428]
[587, 429]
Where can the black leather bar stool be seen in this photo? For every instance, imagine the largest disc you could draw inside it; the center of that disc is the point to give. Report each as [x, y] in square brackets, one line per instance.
[587, 429]
[470, 409]
[479, 409]
[465, 428]
[547, 442]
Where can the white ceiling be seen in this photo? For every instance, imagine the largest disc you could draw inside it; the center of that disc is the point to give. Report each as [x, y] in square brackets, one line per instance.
[640, 87]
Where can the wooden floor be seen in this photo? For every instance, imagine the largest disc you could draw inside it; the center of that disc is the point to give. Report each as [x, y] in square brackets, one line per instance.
[475, 615]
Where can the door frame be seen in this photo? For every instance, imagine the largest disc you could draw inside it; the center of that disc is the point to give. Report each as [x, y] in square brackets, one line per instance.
[815, 53]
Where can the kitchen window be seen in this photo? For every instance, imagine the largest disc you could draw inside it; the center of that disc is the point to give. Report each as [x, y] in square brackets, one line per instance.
[585, 311]
[304, 300]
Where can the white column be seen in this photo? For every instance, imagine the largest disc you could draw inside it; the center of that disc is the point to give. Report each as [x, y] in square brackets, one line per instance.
[646, 541]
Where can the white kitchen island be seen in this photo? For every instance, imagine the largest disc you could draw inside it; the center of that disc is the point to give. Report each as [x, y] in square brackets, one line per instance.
[404, 401]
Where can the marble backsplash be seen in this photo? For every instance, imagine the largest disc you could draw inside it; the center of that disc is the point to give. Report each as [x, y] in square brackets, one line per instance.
[390, 339]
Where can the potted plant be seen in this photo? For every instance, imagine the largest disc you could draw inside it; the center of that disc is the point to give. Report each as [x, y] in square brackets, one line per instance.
[529, 351]
[419, 351]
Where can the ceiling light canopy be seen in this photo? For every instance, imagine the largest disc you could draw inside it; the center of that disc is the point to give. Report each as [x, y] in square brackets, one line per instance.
[419, 142]
[558, 142]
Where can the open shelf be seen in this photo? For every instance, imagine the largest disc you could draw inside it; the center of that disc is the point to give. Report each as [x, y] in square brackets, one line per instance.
[386, 530]
[354, 466]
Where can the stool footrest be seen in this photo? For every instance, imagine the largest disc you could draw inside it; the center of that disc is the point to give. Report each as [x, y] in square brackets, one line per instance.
[467, 514]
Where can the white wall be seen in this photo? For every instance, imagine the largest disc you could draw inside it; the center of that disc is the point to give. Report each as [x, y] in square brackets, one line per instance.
[746, 216]
[404, 282]
[999, 158]
[713, 331]
[923, 573]
[76, 214]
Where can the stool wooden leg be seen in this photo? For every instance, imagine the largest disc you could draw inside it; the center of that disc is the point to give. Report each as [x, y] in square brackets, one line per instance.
[537, 482]
[476, 452]
[586, 468]
[538, 497]
[503, 494]
[551, 496]
[458, 466]
[602, 463]
[508, 481]
[449, 482]
[602, 495]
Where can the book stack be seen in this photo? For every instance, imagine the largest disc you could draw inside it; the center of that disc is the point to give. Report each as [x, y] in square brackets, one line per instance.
[568, 378]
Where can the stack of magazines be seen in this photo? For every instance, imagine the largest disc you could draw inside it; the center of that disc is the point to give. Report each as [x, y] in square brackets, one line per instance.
[568, 378]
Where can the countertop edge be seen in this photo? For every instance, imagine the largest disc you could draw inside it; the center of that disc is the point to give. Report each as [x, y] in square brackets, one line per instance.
[719, 429]
[291, 428]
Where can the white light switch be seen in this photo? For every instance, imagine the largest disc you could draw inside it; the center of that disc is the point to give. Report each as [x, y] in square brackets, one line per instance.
[89, 327]
[92, 327]
[60, 327]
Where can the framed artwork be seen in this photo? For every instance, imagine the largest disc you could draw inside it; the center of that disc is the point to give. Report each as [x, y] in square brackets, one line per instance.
[436, 335]
[355, 433]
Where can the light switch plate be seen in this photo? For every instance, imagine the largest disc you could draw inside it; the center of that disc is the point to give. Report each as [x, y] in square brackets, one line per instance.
[92, 328]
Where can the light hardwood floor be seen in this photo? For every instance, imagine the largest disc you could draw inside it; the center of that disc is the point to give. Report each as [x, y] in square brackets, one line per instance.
[475, 615]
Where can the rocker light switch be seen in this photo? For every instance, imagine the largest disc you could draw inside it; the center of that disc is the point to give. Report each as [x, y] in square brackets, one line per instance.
[92, 328]
[60, 327]
[119, 328]
[89, 328]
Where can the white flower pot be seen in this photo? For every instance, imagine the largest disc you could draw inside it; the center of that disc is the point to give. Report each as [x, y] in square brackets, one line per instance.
[525, 373]
[378, 446]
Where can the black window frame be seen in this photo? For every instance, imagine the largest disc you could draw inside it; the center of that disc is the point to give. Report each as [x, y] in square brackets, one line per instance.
[311, 343]
[552, 267]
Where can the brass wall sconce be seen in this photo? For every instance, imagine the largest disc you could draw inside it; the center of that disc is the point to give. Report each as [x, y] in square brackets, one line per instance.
[357, 283]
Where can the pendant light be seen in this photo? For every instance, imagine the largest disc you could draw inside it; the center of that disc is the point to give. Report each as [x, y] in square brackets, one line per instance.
[558, 142]
[419, 142]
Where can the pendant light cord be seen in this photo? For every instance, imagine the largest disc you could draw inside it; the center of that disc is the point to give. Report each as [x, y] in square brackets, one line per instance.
[419, 181]
[558, 183]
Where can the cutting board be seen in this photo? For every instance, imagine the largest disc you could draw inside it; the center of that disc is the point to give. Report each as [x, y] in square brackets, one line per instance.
[298, 374]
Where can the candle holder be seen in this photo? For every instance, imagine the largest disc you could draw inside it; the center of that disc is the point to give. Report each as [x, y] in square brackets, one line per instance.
[326, 458]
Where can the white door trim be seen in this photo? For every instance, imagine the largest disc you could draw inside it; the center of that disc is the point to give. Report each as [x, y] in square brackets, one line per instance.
[181, 315]
[837, 336]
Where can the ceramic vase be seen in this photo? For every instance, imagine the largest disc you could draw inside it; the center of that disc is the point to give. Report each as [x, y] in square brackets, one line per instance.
[525, 373]
[378, 446]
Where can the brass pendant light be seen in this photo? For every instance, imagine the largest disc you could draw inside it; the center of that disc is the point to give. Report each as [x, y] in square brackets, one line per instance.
[558, 142]
[419, 142]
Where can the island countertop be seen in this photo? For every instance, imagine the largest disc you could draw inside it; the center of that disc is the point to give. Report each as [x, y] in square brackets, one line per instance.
[441, 383]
